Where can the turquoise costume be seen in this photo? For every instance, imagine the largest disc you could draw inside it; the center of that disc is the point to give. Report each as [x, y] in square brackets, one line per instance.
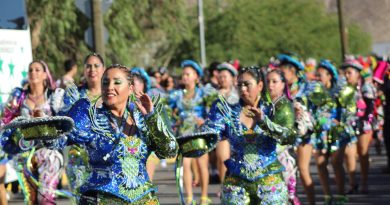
[188, 110]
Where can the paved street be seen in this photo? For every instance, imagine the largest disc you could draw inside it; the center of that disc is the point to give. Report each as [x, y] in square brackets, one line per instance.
[379, 186]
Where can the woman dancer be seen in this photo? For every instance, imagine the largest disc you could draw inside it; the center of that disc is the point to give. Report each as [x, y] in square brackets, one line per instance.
[254, 174]
[299, 90]
[190, 106]
[76, 166]
[328, 141]
[227, 75]
[119, 135]
[278, 90]
[37, 99]
[365, 95]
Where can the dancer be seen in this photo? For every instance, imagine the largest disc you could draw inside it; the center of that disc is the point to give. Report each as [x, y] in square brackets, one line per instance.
[189, 104]
[329, 142]
[226, 79]
[119, 136]
[280, 96]
[77, 157]
[365, 95]
[39, 168]
[254, 174]
[300, 89]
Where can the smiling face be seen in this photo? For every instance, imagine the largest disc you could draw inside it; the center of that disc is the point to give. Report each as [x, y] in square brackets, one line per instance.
[352, 75]
[36, 73]
[93, 70]
[275, 85]
[116, 88]
[249, 89]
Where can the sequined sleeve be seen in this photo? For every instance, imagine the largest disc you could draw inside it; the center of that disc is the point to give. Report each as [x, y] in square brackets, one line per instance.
[71, 95]
[160, 136]
[82, 132]
[281, 126]
[219, 118]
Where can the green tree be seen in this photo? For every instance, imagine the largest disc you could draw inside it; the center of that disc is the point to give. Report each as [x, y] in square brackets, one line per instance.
[57, 32]
[146, 33]
[141, 32]
[253, 31]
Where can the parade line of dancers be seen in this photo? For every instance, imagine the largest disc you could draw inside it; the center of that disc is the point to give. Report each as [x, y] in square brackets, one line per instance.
[259, 126]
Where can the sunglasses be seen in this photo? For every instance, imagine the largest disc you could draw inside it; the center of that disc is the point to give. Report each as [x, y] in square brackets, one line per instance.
[90, 66]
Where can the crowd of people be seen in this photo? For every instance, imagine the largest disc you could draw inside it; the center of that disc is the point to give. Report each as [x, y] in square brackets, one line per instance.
[269, 121]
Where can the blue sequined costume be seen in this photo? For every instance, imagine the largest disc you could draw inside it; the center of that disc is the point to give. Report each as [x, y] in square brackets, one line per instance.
[117, 161]
[254, 174]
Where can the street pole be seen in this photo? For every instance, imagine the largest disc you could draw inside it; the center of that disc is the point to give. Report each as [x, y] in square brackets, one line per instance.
[201, 34]
[343, 34]
[98, 27]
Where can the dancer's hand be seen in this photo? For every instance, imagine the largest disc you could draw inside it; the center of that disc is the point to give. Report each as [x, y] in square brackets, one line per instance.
[257, 114]
[298, 109]
[144, 104]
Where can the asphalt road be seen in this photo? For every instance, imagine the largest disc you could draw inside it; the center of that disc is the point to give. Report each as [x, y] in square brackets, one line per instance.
[379, 186]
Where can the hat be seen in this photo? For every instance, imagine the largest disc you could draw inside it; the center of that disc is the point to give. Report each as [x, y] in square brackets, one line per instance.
[287, 59]
[141, 72]
[353, 64]
[228, 67]
[194, 65]
[46, 128]
[329, 67]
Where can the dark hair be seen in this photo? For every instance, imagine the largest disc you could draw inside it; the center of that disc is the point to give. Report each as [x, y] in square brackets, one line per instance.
[139, 77]
[130, 76]
[254, 71]
[257, 74]
[95, 55]
[283, 79]
[68, 64]
[212, 67]
[165, 82]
